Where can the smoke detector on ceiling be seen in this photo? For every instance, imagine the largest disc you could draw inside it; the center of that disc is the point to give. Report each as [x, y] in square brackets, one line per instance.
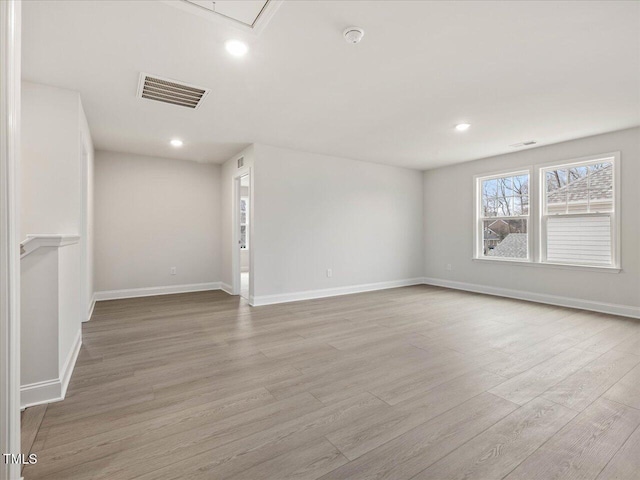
[353, 34]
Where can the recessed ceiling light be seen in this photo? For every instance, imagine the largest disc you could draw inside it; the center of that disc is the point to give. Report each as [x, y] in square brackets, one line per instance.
[236, 48]
[461, 127]
[176, 143]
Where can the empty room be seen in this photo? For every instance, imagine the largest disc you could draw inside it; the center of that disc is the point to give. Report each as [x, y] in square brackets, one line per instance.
[287, 239]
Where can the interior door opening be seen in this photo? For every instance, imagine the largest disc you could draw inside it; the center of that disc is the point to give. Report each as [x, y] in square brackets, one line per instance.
[244, 225]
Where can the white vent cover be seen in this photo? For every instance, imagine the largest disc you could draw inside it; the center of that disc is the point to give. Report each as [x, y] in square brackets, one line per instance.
[528, 143]
[153, 87]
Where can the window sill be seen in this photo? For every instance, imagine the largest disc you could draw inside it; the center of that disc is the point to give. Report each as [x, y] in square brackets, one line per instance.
[562, 266]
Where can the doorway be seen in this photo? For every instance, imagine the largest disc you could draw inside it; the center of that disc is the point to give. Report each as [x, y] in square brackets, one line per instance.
[244, 208]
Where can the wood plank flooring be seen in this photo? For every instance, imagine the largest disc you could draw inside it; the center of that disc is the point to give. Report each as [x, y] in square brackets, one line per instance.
[409, 383]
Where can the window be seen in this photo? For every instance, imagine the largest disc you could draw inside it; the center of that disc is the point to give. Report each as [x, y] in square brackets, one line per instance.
[574, 205]
[503, 220]
[578, 213]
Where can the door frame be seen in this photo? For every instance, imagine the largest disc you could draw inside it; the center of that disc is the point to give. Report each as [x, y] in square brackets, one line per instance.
[235, 257]
[10, 25]
[84, 229]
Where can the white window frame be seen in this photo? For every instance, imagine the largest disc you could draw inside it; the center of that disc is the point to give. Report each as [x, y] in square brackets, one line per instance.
[614, 159]
[478, 228]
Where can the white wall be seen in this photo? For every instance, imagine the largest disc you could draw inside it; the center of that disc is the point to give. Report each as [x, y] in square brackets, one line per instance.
[316, 212]
[39, 355]
[448, 236]
[152, 214]
[50, 166]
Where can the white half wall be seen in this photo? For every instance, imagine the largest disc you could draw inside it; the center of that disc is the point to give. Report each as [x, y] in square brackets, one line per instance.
[152, 214]
[448, 235]
[55, 195]
[315, 212]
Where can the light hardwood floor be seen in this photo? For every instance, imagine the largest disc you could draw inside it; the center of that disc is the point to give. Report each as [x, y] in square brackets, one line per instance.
[409, 383]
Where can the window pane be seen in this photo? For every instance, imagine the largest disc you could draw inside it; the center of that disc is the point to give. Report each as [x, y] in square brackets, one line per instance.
[489, 208]
[577, 190]
[576, 173]
[521, 185]
[601, 187]
[521, 205]
[580, 240]
[505, 238]
[505, 186]
[555, 183]
[490, 188]
[505, 206]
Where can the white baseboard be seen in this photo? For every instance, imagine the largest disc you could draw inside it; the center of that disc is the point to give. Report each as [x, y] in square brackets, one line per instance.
[610, 308]
[92, 305]
[152, 291]
[55, 389]
[70, 362]
[226, 288]
[330, 292]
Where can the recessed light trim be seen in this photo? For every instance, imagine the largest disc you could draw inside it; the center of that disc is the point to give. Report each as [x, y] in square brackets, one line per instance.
[176, 142]
[236, 48]
[462, 127]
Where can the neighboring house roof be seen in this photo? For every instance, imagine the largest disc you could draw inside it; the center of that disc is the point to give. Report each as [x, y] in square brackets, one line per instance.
[599, 185]
[504, 222]
[490, 234]
[514, 245]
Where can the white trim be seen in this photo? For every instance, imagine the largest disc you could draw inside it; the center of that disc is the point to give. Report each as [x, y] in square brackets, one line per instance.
[601, 307]
[225, 287]
[39, 393]
[84, 219]
[92, 305]
[153, 291]
[70, 362]
[53, 390]
[10, 38]
[330, 292]
[563, 266]
[34, 242]
[258, 26]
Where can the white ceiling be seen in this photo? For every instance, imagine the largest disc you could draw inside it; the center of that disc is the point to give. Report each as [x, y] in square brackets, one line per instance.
[517, 71]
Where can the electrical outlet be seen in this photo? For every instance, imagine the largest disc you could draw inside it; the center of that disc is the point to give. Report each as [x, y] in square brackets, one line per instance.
[172, 271]
[449, 267]
[329, 273]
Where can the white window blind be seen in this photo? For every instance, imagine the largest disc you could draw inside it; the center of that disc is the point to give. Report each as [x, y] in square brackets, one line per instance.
[581, 239]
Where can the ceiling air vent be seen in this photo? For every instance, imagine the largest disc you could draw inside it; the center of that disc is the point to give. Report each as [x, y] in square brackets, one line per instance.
[523, 144]
[164, 90]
